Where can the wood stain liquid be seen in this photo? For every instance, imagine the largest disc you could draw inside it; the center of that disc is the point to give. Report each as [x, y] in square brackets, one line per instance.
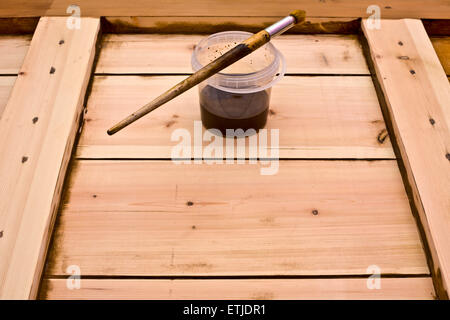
[238, 97]
[226, 110]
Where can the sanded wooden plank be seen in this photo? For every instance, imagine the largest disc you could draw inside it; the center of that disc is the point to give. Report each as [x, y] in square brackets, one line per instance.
[12, 52]
[153, 53]
[160, 218]
[6, 85]
[442, 47]
[242, 289]
[317, 117]
[37, 131]
[344, 8]
[417, 95]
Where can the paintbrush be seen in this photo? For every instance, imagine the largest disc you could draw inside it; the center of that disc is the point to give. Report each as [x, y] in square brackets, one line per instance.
[238, 52]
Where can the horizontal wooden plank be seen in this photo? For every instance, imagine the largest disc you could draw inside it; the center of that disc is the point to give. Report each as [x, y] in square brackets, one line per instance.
[270, 289]
[156, 53]
[417, 95]
[442, 47]
[434, 9]
[159, 218]
[317, 117]
[12, 52]
[6, 85]
[209, 25]
[37, 132]
[346, 106]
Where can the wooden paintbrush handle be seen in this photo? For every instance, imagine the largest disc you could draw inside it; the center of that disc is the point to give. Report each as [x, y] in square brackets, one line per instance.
[238, 52]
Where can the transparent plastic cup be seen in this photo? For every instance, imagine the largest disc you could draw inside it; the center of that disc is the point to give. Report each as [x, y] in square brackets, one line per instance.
[239, 96]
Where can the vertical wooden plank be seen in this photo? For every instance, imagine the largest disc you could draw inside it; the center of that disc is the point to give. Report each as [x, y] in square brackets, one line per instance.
[417, 96]
[37, 131]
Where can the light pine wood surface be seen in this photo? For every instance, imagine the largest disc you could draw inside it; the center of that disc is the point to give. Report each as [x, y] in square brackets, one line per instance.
[157, 53]
[417, 93]
[233, 289]
[37, 131]
[317, 117]
[6, 85]
[152, 218]
[311, 218]
[12, 52]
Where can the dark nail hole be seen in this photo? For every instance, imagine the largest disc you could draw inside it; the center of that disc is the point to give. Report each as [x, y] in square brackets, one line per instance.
[35, 119]
[24, 159]
[189, 203]
[193, 227]
[315, 212]
[52, 70]
[412, 71]
[21, 73]
[1, 234]
[447, 156]
[94, 196]
[61, 42]
[432, 121]
[400, 43]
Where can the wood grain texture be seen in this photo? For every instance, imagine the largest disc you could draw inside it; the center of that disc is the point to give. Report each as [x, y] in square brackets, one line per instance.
[270, 289]
[442, 47]
[344, 8]
[154, 53]
[37, 131]
[12, 53]
[417, 93]
[317, 117]
[6, 85]
[157, 218]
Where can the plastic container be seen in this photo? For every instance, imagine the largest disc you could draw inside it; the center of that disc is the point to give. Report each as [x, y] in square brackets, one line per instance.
[238, 96]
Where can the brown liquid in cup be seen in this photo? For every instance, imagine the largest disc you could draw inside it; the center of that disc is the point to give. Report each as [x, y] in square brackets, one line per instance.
[225, 110]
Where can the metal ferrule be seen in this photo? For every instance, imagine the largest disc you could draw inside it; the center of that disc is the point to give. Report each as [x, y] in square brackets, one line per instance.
[280, 26]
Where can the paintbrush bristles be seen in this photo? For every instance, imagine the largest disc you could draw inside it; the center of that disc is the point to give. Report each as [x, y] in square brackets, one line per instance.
[299, 15]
